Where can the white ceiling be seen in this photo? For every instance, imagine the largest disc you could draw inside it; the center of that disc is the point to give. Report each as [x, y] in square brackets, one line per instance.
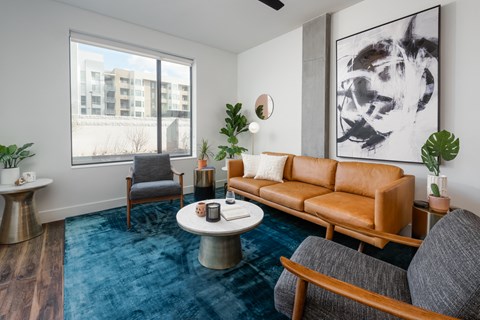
[232, 25]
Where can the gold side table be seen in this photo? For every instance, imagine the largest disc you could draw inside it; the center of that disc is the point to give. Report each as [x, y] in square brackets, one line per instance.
[19, 221]
[204, 183]
[423, 220]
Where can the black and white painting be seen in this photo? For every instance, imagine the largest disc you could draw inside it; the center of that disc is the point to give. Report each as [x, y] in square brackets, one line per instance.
[387, 89]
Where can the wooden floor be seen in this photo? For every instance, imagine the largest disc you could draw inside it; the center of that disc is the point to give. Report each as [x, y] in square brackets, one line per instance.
[31, 276]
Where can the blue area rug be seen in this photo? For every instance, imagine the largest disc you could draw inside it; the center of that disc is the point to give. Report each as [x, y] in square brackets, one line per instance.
[152, 271]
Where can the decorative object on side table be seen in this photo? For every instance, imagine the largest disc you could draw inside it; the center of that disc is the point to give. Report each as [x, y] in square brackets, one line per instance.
[11, 156]
[213, 212]
[204, 154]
[440, 145]
[230, 197]
[201, 209]
[235, 124]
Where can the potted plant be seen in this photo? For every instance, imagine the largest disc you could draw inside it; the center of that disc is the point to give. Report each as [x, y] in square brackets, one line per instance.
[11, 156]
[204, 153]
[440, 145]
[235, 124]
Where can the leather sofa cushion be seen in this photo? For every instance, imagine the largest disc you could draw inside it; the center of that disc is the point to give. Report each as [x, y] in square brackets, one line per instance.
[291, 194]
[364, 178]
[344, 207]
[317, 171]
[249, 185]
[287, 170]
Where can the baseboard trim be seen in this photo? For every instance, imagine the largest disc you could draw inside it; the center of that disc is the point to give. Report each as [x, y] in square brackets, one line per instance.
[57, 214]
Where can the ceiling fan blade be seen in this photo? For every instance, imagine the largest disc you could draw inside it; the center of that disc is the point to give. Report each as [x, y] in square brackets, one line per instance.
[275, 4]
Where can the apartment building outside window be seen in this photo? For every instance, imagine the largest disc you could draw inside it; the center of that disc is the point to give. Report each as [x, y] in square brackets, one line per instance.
[116, 90]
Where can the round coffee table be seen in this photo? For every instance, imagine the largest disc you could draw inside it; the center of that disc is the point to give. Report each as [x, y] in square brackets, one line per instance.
[220, 245]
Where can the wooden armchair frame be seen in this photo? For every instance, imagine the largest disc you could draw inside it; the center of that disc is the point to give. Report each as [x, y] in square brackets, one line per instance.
[366, 297]
[131, 202]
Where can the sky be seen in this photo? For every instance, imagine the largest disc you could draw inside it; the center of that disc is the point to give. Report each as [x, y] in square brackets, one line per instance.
[115, 59]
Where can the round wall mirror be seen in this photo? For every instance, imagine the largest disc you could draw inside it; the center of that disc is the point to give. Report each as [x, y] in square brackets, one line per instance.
[264, 106]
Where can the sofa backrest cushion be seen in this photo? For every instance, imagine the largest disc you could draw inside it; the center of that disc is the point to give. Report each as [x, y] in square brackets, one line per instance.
[444, 274]
[317, 171]
[287, 170]
[364, 178]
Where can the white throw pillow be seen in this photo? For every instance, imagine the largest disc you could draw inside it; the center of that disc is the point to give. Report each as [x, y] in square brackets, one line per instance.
[271, 167]
[250, 165]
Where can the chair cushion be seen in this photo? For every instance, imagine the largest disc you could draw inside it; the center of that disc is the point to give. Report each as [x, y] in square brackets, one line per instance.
[345, 264]
[151, 167]
[344, 208]
[154, 189]
[444, 275]
[291, 194]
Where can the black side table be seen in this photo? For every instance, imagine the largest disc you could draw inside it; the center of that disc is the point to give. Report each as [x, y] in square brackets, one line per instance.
[204, 183]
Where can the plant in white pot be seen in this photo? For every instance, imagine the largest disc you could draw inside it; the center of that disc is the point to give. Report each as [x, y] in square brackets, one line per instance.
[440, 145]
[11, 156]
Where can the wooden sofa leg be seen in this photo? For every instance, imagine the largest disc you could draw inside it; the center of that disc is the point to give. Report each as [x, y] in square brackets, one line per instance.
[329, 234]
[361, 246]
[300, 294]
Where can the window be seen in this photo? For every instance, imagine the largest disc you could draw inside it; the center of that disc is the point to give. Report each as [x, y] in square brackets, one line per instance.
[96, 100]
[124, 126]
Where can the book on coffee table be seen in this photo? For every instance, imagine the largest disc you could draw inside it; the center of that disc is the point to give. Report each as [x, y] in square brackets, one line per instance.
[234, 211]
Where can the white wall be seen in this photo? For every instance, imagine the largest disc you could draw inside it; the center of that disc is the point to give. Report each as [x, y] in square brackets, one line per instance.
[34, 82]
[275, 68]
[459, 68]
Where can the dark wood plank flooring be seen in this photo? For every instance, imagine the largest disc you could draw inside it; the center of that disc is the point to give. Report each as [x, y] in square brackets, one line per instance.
[31, 276]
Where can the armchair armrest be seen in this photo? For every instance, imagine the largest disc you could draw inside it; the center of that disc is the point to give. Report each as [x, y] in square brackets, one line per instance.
[180, 176]
[370, 232]
[366, 297]
[393, 205]
[176, 172]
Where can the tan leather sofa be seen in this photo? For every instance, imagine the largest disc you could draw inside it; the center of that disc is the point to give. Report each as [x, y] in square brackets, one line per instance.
[375, 196]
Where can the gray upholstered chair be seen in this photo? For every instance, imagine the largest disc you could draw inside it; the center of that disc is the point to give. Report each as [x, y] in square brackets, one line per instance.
[151, 179]
[442, 280]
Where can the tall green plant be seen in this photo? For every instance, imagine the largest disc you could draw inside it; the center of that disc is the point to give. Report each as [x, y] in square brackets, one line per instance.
[12, 155]
[440, 145]
[235, 124]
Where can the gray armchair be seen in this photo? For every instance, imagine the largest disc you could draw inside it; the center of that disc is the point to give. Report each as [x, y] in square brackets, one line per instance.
[442, 281]
[151, 179]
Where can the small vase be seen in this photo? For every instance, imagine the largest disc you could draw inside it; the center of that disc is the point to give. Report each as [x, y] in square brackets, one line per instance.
[9, 176]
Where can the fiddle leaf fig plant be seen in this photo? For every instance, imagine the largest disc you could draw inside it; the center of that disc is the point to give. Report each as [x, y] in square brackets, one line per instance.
[440, 145]
[235, 124]
[12, 155]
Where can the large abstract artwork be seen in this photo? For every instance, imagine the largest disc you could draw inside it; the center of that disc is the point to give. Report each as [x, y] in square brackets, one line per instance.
[387, 89]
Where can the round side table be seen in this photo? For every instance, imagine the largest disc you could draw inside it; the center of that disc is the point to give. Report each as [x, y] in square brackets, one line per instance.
[19, 222]
[204, 183]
